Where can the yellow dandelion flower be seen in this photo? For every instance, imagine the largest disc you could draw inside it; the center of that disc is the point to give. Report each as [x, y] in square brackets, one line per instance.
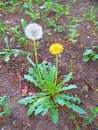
[56, 48]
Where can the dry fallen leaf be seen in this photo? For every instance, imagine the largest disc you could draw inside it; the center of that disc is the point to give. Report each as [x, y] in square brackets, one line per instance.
[24, 89]
[96, 90]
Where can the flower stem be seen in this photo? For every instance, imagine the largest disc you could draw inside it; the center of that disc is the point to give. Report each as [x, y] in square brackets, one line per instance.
[35, 52]
[36, 57]
[56, 74]
[56, 77]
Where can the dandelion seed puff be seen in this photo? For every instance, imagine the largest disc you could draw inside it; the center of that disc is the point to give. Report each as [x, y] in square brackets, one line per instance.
[33, 31]
[56, 48]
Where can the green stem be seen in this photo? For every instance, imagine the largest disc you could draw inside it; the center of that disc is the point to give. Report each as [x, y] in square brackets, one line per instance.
[35, 52]
[36, 57]
[56, 77]
[56, 74]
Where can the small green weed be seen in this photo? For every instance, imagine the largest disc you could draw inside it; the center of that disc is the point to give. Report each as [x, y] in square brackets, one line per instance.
[90, 118]
[7, 53]
[28, 5]
[73, 33]
[3, 28]
[90, 15]
[10, 5]
[51, 23]
[34, 15]
[57, 27]
[73, 20]
[90, 54]
[4, 108]
[18, 34]
[72, 24]
[46, 6]
[67, 10]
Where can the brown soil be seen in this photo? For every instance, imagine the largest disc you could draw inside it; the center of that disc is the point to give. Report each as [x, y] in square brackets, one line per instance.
[85, 74]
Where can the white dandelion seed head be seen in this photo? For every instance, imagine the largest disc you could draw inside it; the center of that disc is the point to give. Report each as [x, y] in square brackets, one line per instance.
[33, 31]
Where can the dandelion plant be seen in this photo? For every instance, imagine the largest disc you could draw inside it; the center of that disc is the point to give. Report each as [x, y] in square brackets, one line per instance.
[45, 77]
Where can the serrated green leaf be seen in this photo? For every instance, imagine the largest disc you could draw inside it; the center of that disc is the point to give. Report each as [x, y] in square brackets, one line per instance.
[27, 100]
[86, 58]
[50, 77]
[54, 114]
[43, 106]
[92, 110]
[7, 58]
[43, 69]
[60, 101]
[23, 24]
[87, 52]
[45, 110]
[93, 58]
[96, 109]
[71, 86]
[95, 47]
[32, 80]
[29, 78]
[38, 110]
[41, 94]
[35, 75]
[29, 59]
[4, 99]
[6, 40]
[88, 119]
[31, 108]
[21, 52]
[2, 52]
[36, 105]
[2, 113]
[75, 108]
[7, 110]
[62, 98]
[48, 74]
[96, 56]
[66, 79]
[33, 72]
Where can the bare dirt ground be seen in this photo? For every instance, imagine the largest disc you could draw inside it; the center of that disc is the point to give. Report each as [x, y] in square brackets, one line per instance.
[85, 74]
